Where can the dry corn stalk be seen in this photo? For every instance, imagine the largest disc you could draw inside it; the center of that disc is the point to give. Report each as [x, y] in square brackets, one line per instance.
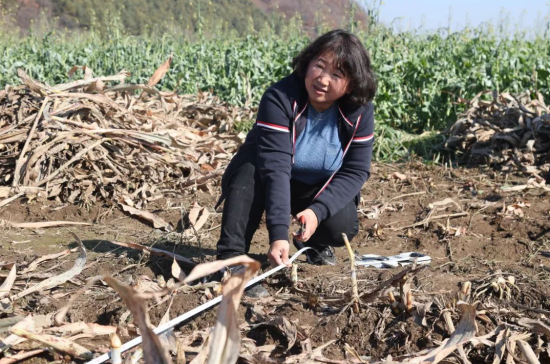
[409, 305]
[406, 293]
[465, 292]
[180, 353]
[8, 282]
[49, 283]
[465, 331]
[294, 274]
[354, 289]
[511, 131]
[153, 351]
[115, 345]
[226, 334]
[394, 304]
[58, 343]
[528, 352]
[82, 146]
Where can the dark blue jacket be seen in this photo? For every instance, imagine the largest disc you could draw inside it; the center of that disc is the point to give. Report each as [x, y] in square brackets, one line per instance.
[273, 138]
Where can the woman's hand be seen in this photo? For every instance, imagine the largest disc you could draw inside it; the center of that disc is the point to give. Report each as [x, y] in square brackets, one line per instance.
[310, 220]
[278, 253]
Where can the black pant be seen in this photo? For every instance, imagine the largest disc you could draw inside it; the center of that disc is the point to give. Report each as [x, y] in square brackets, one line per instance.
[244, 206]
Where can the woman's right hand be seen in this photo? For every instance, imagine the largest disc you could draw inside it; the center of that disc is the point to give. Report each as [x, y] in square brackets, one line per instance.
[278, 253]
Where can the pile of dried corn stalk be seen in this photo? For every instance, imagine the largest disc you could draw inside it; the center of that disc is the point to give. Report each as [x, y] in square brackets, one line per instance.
[85, 141]
[509, 131]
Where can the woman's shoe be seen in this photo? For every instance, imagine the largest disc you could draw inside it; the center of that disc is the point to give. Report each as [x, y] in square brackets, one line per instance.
[323, 257]
[257, 291]
[319, 255]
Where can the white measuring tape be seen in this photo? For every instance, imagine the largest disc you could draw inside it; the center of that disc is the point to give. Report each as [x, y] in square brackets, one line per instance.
[170, 324]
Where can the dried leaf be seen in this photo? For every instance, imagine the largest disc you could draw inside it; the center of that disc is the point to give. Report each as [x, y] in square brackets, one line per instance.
[55, 342]
[194, 214]
[8, 282]
[226, 333]
[153, 351]
[176, 271]
[154, 251]
[203, 352]
[528, 352]
[284, 326]
[85, 328]
[168, 338]
[41, 225]
[59, 279]
[399, 176]
[535, 325]
[120, 77]
[7, 322]
[88, 73]
[22, 355]
[420, 313]
[32, 84]
[370, 296]
[180, 353]
[34, 264]
[465, 331]
[500, 346]
[158, 223]
[160, 72]
[202, 219]
[515, 210]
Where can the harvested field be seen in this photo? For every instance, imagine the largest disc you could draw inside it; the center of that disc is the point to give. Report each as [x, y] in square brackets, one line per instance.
[484, 298]
[503, 234]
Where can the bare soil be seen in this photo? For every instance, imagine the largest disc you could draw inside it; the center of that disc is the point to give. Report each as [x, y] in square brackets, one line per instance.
[491, 240]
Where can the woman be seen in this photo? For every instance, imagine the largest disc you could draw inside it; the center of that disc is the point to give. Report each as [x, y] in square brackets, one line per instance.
[308, 154]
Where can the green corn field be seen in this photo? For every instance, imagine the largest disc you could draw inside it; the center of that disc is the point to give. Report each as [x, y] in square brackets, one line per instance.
[421, 77]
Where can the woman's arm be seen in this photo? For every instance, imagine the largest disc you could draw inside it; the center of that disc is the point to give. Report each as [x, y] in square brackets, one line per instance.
[274, 148]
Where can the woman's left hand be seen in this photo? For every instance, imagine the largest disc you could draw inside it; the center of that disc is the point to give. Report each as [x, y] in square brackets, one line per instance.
[310, 220]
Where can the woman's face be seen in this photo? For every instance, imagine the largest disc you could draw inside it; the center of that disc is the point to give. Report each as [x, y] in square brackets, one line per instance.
[325, 82]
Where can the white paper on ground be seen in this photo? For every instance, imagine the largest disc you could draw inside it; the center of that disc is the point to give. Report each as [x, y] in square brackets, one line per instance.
[403, 259]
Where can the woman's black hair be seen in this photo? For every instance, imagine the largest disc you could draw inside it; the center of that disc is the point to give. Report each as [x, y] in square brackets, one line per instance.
[350, 56]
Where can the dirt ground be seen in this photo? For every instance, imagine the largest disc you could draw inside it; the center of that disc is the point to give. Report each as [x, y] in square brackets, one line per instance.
[500, 234]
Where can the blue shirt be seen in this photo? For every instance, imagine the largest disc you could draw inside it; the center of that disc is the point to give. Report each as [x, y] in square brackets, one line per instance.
[318, 148]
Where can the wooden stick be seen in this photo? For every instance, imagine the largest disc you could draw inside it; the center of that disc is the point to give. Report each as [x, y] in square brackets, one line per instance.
[430, 218]
[58, 343]
[200, 180]
[10, 199]
[523, 307]
[17, 172]
[354, 289]
[22, 355]
[385, 206]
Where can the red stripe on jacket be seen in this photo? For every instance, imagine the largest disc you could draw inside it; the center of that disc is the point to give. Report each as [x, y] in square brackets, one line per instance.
[263, 123]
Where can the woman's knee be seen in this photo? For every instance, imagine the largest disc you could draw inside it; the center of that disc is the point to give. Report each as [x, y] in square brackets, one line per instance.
[334, 239]
[338, 238]
[330, 231]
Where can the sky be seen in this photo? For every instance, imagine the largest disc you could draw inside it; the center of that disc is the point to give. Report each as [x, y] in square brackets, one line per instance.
[434, 14]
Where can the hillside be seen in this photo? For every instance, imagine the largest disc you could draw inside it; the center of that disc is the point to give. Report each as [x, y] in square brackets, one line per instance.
[181, 16]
